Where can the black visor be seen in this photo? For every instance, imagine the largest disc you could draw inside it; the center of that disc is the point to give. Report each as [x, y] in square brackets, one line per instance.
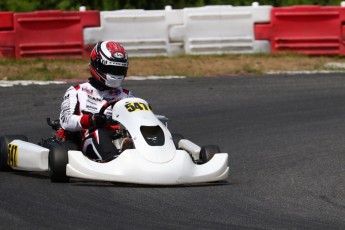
[113, 70]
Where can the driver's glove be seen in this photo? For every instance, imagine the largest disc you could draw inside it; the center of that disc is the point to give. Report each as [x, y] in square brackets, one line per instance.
[98, 120]
[93, 121]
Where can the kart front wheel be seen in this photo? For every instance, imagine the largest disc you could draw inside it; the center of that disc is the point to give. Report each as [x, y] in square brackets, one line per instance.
[58, 160]
[207, 152]
[4, 141]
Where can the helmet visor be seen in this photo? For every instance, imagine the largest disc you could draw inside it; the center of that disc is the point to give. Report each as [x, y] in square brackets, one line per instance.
[113, 70]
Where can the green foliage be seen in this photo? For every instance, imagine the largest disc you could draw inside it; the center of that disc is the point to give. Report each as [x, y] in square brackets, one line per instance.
[18, 5]
[32, 5]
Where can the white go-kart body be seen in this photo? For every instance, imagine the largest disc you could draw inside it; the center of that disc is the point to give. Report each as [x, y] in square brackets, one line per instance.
[154, 160]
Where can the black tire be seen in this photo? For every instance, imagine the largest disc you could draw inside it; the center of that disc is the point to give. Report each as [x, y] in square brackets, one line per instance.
[176, 138]
[4, 141]
[58, 159]
[207, 152]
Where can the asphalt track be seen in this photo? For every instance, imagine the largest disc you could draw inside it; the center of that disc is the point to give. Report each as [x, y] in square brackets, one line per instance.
[285, 139]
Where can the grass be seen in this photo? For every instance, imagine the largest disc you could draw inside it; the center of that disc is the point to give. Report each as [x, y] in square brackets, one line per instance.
[206, 65]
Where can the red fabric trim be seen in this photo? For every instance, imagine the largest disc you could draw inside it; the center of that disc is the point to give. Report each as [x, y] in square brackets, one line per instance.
[125, 91]
[61, 134]
[84, 121]
[113, 127]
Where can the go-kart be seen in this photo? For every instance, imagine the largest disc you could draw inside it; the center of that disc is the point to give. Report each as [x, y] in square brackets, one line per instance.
[157, 157]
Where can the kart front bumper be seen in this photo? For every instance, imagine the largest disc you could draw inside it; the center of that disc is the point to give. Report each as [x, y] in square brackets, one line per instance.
[131, 167]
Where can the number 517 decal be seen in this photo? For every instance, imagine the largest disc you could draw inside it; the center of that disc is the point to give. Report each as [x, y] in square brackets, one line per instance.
[137, 106]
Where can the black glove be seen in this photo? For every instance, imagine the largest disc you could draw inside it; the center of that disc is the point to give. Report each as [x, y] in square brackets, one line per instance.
[97, 120]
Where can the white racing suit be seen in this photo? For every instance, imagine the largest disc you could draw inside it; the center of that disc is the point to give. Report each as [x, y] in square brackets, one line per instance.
[84, 99]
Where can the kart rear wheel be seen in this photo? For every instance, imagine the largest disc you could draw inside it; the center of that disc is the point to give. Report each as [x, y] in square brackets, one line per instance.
[176, 138]
[207, 152]
[4, 141]
[58, 159]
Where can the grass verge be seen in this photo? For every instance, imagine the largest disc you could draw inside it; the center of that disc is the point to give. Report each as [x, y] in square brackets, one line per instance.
[192, 66]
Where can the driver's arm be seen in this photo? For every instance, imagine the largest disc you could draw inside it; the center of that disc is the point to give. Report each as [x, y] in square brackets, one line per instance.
[69, 120]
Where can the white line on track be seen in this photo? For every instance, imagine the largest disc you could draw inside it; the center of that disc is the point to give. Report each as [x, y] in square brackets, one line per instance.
[6, 83]
[305, 72]
[138, 78]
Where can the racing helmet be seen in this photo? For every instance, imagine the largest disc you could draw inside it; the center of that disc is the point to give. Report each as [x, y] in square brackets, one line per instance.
[109, 63]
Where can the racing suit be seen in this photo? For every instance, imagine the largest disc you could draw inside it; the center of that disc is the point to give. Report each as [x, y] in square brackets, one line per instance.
[82, 101]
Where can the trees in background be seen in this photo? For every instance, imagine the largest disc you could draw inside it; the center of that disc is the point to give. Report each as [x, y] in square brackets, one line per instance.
[29, 5]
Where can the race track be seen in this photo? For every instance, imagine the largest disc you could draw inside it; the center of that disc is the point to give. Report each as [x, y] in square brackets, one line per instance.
[285, 139]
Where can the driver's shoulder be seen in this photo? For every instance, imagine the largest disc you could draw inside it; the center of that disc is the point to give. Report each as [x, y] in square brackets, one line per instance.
[86, 87]
[126, 92]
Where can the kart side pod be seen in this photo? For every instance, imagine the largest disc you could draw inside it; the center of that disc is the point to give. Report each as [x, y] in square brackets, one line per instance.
[27, 156]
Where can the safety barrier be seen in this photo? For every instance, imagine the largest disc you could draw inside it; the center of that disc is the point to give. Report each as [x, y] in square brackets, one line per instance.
[311, 30]
[141, 32]
[45, 33]
[6, 24]
[6, 21]
[202, 30]
[221, 29]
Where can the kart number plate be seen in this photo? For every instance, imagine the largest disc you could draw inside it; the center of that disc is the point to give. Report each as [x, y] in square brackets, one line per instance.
[137, 106]
[12, 157]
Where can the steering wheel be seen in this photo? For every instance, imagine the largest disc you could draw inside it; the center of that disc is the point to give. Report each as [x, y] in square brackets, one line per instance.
[108, 104]
[102, 110]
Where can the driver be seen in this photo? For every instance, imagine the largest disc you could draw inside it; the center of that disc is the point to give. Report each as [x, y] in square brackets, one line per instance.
[81, 103]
